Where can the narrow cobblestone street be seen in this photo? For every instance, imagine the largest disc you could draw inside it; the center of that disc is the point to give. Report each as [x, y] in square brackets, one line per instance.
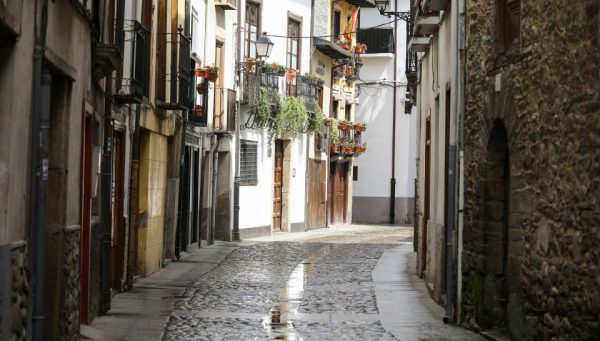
[345, 283]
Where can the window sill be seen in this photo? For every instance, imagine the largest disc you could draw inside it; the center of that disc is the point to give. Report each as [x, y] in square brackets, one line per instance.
[377, 55]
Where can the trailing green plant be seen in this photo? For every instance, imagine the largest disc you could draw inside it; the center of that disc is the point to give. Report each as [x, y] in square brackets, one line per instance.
[293, 115]
[262, 112]
[334, 133]
[315, 122]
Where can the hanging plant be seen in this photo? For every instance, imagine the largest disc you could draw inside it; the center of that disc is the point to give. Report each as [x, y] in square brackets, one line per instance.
[211, 73]
[315, 122]
[293, 115]
[334, 132]
[262, 113]
[335, 146]
[358, 127]
[290, 75]
[200, 87]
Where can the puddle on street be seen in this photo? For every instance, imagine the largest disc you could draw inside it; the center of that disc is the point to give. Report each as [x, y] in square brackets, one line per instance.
[279, 323]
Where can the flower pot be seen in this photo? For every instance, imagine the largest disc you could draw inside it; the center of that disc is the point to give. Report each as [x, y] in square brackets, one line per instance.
[358, 49]
[199, 72]
[198, 111]
[343, 126]
[211, 76]
[201, 89]
[359, 128]
[349, 71]
[250, 63]
[346, 46]
[327, 121]
[335, 148]
[290, 75]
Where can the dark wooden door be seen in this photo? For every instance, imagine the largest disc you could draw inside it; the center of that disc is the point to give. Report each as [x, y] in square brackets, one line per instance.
[118, 223]
[278, 185]
[316, 194]
[338, 190]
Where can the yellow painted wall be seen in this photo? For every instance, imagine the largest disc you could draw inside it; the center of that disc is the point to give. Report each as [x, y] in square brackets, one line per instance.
[152, 199]
[346, 11]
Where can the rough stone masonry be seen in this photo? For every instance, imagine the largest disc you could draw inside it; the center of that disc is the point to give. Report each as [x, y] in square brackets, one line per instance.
[532, 171]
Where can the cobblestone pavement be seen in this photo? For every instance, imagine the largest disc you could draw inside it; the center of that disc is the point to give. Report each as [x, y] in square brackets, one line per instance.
[319, 288]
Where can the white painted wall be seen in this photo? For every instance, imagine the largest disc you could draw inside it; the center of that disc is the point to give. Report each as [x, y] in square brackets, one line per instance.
[376, 108]
[256, 202]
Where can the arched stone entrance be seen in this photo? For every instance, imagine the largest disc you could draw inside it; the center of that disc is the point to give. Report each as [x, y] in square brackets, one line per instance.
[496, 229]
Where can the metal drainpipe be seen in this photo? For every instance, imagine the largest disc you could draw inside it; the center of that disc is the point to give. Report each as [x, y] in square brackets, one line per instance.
[133, 199]
[106, 214]
[213, 208]
[392, 217]
[42, 82]
[460, 81]
[236, 178]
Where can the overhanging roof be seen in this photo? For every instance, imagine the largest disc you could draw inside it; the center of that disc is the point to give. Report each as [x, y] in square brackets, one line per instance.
[331, 50]
[362, 3]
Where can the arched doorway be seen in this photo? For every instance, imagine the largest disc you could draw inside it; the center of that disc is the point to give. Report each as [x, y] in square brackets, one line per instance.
[496, 229]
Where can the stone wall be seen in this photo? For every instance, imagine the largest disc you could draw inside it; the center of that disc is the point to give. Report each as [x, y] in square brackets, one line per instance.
[69, 310]
[545, 92]
[13, 313]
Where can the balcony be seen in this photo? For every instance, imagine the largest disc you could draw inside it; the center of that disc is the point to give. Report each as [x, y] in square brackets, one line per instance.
[226, 4]
[331, 50]
[435, 5]
[362, 3]
[107, 58]
[10, 18]
[426, 25]
[378, 40]
[412, 62]
[179, 77]
[418, 44]
[133, 81]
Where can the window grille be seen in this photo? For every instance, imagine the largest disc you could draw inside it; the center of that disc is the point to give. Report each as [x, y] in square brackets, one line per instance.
[248, 162]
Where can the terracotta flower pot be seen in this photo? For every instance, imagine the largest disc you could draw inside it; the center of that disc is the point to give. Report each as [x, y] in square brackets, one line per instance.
[290, 75]
[200, 88]
[199, 72]
[335, 148]
[211, 76]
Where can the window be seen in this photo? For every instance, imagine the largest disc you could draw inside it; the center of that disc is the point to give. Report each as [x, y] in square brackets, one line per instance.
[252, 27]
[337, 18]
[248, 159]
[293, 45]
[348, 112]
[508, 24]
[379, 40]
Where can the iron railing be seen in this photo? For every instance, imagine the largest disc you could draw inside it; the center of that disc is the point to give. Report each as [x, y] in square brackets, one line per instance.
[134, 86]
[179, 77]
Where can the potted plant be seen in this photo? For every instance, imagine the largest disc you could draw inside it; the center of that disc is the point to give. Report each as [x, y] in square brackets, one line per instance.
[327, 121]
[362, 126]
[250, 62]
[345, 125]
[198, 111]
[293, 114]
[199, 72]
[349, 71]
[348, 146]
[360, 148]
[334, 146]
[334, 132]
[290, 75]
[360, 48]
[211, 73]
[201, 88]
[315, 121]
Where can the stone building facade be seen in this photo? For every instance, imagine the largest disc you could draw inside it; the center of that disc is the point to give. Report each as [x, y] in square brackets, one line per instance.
[532, 165]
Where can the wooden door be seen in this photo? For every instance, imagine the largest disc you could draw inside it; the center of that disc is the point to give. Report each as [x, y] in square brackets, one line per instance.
[278, 185]
[316, 194]
[218, 112]
[338, 190]
[426, 196]
[118, 222]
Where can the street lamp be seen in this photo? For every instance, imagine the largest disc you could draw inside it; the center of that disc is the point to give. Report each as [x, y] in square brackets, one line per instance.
[382, 7]
[264, 46]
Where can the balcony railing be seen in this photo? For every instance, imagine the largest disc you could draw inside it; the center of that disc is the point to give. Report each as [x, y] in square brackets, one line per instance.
[179, 77]
[133, 85]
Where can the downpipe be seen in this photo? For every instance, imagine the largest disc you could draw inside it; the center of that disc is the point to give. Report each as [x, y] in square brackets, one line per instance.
[215, 174]
[236, 178]
[392, 216]
[41, 100]
[106, 223]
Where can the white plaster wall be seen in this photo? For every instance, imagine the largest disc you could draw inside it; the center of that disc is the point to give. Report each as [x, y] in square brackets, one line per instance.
[256, 202]
[376, 108]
